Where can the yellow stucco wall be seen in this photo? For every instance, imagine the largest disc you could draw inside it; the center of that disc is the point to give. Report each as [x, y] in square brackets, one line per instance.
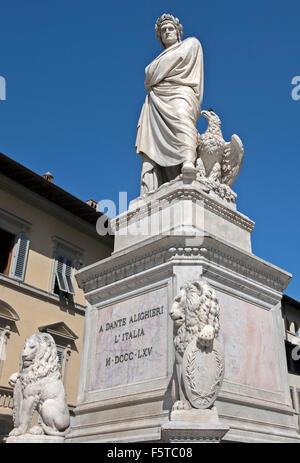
[35, 311]
[39, 271]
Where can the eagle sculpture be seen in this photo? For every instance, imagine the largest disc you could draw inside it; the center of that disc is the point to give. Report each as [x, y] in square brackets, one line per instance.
[218, 162]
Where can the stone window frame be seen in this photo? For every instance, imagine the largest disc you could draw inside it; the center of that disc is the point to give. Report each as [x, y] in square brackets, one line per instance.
[19, 227]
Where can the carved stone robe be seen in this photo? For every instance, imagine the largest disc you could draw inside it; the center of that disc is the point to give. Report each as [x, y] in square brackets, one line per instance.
[167, 124]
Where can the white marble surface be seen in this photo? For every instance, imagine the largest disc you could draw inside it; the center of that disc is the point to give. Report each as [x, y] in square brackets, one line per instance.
[254, 399]
[167, 134]
[131, 340]
[38, 386]
[194, 426]
[247, 338]
[179, 209]
[33, 439]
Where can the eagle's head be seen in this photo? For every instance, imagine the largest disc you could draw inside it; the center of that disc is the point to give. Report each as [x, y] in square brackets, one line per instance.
[212, 119]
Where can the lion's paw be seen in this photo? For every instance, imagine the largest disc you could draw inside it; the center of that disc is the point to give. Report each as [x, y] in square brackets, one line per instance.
[206, 335]
[181, 405]
[37, 430]
[17, 431]
[13, 379]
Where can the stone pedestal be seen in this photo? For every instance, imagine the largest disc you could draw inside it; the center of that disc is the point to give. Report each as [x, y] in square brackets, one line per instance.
[174, 235]
[181, 209]
[194, 426]
[35, 439]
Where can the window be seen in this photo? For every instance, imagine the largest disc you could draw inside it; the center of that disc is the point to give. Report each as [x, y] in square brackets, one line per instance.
[60, 355]
[13, 263]
[20, 259]
[14, 245]
[66, 258]
[63, 275]
[7, 241]
[64, 339]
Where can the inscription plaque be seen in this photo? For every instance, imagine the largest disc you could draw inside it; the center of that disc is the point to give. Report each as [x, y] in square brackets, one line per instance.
[131, 341]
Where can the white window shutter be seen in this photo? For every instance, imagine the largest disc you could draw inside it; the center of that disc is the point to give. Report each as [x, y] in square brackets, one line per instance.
[21, 257]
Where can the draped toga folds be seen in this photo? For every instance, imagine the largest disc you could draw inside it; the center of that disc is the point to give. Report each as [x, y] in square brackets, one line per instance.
[167, 124]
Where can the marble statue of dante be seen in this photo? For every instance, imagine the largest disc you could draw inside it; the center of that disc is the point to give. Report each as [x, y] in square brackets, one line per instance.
[167, 134]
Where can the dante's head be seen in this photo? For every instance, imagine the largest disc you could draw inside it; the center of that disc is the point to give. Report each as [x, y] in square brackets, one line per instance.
[168, 30]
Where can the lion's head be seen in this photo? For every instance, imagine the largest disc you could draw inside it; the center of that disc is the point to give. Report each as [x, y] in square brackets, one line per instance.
[38, 359]
[195, 307]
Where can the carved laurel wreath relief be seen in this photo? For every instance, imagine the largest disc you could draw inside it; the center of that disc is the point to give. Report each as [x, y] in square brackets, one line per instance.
[200, 371]
[193, 361]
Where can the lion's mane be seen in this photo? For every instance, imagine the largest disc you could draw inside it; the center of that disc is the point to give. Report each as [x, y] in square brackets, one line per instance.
[45, 363]
[199, 307]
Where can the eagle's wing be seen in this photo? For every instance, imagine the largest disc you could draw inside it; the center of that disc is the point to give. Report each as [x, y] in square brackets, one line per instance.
[232, 160]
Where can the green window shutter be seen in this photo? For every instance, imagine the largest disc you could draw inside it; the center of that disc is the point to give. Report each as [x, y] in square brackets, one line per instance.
[60, 273]
[60, 356]
[21, 257]
[63, 273]
[68, 273]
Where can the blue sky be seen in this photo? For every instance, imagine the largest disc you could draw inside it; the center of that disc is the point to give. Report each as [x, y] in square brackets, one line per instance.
[75, 86]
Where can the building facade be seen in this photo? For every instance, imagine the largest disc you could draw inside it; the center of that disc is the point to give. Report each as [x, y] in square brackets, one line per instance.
[46, 234]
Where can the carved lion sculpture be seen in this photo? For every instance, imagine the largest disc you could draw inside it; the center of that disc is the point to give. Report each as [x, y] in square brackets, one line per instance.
[38, 386]
[195, 312]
